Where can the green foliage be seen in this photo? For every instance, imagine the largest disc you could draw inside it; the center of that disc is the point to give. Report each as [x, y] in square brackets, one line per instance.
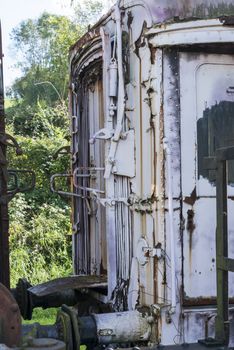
[40, 229]
[38, 120]
[40, 241]
[38, 155]
[43, 316]
[88, 12]
[40, 226]
[41, 47]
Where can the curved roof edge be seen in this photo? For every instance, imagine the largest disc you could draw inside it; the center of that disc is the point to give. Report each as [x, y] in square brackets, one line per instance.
[161, 11]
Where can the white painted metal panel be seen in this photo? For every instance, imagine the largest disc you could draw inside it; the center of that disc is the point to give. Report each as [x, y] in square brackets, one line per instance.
[204, 31]
[125, 155]
[206, 82]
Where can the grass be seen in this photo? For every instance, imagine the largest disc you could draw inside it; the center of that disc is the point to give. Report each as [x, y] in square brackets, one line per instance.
[43, 316]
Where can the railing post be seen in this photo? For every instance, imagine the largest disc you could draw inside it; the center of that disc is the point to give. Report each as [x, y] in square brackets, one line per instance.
[222, 321]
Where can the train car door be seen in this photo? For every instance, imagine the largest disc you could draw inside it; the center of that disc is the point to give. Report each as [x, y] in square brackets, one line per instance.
[207, 123]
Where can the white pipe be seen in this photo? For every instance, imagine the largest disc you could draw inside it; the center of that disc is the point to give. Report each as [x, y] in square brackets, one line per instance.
[109, 184]
[171, 226]
[122, 327]
[121, 95]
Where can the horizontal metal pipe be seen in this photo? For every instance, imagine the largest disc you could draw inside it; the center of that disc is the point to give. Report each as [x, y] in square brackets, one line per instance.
[87, 330]
[36, 330]
[103, 329]
[122, 327]
[68, 297]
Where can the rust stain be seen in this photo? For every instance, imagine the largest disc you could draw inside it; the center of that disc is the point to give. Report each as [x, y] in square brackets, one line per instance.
[190, 228]
[201, 301]
[139, 42]
[190, 221]
[153, 51]
[130, 19]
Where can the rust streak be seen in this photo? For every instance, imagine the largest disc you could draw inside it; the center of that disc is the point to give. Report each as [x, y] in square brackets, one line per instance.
[201, 301]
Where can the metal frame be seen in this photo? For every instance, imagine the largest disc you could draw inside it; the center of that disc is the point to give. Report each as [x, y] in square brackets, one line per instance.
[91, 171]
[62, 193]
[199, 32]
[223, 263]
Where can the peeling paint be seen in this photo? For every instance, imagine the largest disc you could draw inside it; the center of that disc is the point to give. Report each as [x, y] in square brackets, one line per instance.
[158, 104]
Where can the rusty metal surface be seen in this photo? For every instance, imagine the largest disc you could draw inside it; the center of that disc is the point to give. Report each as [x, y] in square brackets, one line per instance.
[73, 282]
[10, 319]
[189, 302]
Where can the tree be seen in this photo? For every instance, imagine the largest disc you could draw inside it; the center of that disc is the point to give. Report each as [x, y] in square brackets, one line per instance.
[87, 12]
[37, 115]
[42, 47]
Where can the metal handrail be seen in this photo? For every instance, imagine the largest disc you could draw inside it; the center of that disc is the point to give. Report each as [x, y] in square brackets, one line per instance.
[76, 176]
[62, 193]
[68, 194]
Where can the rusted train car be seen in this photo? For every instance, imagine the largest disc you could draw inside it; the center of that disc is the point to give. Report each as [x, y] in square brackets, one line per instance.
[151, 96]
[152, 121]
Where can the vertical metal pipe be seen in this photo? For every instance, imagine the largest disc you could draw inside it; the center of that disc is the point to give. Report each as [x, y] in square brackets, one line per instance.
[121, 95]
[222, 322]
[171, 227]
[109, 183]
